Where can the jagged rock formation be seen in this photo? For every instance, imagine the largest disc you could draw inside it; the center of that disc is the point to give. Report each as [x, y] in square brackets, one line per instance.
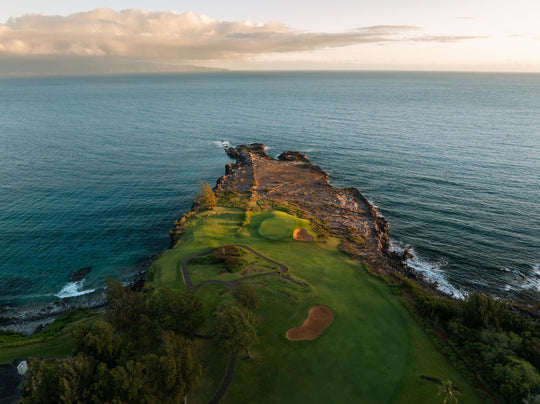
[293, 180]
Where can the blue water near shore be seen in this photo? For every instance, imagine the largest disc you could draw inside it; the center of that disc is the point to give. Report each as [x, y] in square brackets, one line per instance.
[93, 171]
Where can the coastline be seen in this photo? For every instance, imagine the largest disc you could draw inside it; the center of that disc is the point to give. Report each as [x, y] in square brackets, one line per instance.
[32, 321]
[348, 208]
[293, 182]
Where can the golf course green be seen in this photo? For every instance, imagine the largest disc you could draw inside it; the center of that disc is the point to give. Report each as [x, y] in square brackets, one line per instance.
[372, 352]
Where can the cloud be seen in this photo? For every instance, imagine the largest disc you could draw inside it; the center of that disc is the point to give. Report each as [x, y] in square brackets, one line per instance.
[188, 36]
[445, 38]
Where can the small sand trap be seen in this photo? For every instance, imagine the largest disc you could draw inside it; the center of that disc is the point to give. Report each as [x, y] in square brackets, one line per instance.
[302, 235]
[319, 318]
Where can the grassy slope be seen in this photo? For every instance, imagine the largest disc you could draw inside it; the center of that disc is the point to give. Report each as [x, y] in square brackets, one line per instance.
[373, 352]
[35, 346]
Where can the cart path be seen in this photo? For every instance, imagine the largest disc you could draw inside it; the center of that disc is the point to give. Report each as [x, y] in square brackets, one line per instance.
[230, 284]
[227, 379]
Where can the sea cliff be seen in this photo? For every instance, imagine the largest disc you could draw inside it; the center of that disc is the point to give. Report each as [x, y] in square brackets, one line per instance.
[294, 182]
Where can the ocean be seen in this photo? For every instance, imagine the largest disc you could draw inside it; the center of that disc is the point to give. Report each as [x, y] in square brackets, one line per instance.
[94, 170]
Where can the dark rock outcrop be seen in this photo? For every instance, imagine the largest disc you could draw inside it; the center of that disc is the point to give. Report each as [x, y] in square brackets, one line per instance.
[79, 274]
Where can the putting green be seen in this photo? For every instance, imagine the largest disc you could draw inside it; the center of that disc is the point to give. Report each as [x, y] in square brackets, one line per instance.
[279, 226]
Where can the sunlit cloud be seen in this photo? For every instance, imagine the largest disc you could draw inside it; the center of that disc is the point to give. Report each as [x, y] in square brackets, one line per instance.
[141, 34]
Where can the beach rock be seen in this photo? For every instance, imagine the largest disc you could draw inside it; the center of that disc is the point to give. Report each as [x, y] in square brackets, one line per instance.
[79, 274]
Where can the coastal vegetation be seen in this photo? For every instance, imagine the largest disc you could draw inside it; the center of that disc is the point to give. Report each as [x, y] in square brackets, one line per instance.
[485, 337]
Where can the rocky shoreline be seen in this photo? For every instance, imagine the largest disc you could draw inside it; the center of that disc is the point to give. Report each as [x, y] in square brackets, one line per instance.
[292, 180]
[33, 320]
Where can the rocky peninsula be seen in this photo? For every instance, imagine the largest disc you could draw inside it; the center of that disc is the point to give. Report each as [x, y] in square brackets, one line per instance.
[293, 181]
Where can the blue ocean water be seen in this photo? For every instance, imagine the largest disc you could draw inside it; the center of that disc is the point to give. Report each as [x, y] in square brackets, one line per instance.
[93, 170]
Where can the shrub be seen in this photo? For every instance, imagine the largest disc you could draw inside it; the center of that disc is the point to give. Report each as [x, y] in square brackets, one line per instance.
[244, 293]
[206, 199]
[483, 311]
[356, 239]
[235, 264]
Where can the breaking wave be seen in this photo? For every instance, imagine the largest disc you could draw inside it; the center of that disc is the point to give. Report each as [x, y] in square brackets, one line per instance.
[72, 289]
[430, 270]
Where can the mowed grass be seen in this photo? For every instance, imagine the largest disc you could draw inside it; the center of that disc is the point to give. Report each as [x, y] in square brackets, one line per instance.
[277, 225]
[373, 352]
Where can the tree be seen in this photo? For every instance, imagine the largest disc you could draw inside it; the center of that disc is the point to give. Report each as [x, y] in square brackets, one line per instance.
[516, 379]
[125, 306]
[100, 343]
[206, 199]
[235, 327]
[449, 391]
[44, 384]
[164, 375]
[173, 370]
[181, 313]
[483, 311]
[244, 293]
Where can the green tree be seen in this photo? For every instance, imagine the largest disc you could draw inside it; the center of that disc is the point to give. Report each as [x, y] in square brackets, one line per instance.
[100, 343]
[44, 384]
[245, 294]
[235, 328]
[173, 370]
[516, 379]
[178, 312]
[483, 311]
[125, 306]
[206, 199]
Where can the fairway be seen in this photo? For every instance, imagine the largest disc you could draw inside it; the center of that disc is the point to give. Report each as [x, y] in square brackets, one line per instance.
[372, 352]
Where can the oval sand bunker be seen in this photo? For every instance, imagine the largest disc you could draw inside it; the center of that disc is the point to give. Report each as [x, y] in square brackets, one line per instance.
[318, 319]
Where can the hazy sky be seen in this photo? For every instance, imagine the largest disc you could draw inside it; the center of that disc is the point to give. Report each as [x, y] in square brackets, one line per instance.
[493, 35]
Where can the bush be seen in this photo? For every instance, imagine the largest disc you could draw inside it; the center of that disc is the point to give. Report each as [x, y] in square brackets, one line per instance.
[483, 311]
[244, 293]
[356, 239]
[516, 379]
[235, 264]
[321, 229]
[206, 199]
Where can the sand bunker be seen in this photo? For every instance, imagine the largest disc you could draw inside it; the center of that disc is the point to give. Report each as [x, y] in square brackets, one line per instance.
[302, 235]
[319, 318]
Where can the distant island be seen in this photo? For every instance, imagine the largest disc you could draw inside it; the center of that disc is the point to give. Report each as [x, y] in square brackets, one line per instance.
[280, 287]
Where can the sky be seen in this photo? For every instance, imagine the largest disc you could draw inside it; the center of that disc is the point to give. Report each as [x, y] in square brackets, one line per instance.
[160, 35]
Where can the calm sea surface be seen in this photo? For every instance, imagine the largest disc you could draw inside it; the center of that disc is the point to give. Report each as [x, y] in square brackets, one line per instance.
[93, 171]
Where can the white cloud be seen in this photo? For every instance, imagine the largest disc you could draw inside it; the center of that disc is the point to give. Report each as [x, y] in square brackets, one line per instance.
[188, 36]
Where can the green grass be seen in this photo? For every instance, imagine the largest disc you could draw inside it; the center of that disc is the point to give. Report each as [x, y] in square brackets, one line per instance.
[54, 342]
[277, 227]
[373, 352]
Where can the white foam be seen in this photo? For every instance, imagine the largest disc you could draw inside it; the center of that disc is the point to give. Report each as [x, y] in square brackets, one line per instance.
[222, 143]
[533, 280]
[431, 270]
[72, 289]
